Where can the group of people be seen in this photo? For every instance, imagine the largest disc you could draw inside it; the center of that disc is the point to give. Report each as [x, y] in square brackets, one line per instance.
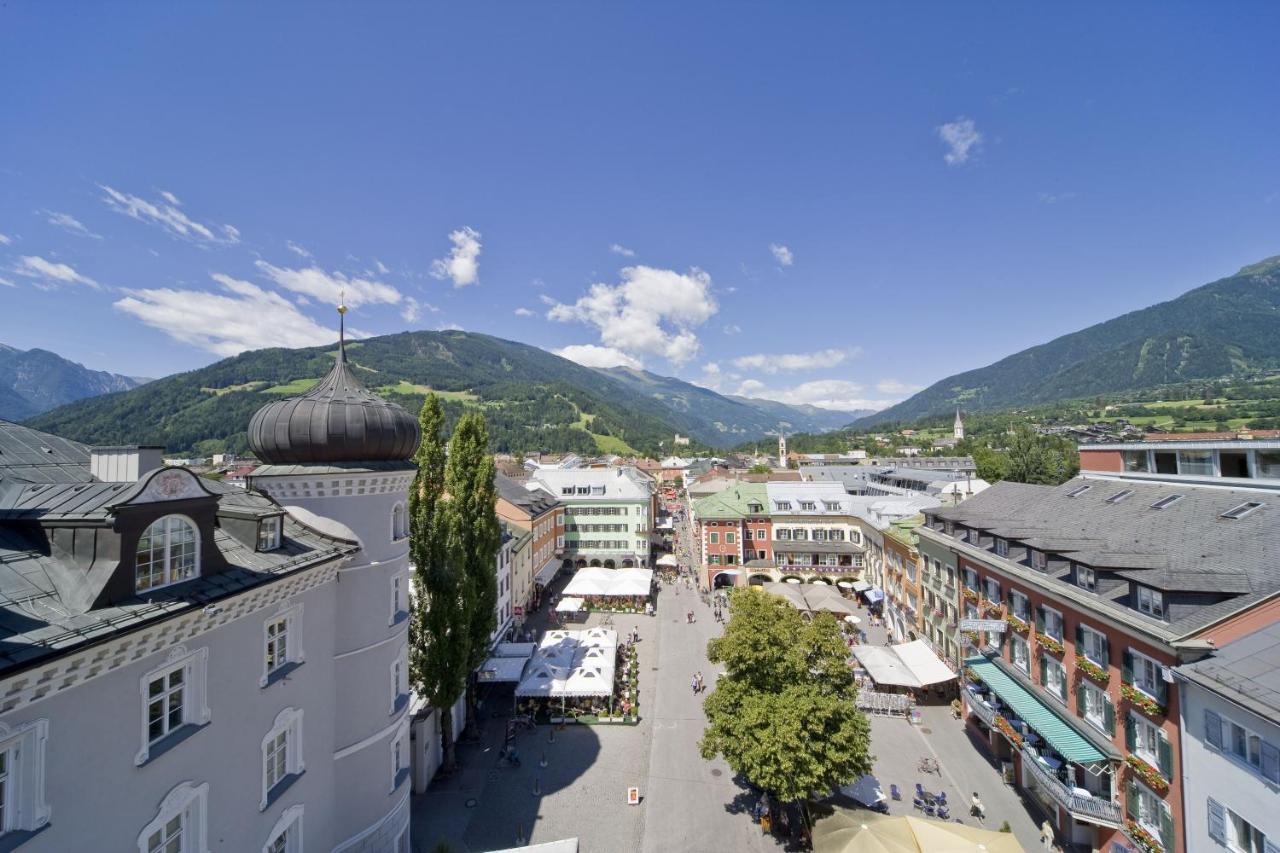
[697, 683]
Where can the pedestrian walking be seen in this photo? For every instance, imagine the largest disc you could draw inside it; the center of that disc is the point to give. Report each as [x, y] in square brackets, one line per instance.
[976, 809]
[1046, 835]
[698, 681]
[693, 683]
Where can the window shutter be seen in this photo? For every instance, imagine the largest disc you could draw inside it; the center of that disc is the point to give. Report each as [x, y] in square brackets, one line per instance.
[1044, 671]
[1270, 761]
[1212, 728]
[1008, 596]
[1162, 692]
[1079, 639]
[1080, 700]
[1106, 650]
[1062, 686]
[1126, 674]
[1109, 715]
[1130, 733]
[1040, 618]
[1166, 827]
[1166, 757]
[1131, 800]
[1217, 821]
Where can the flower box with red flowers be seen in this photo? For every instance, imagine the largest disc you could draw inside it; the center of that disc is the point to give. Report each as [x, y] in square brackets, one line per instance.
[1091, 669]
[1145, 840]
[1017, 624]
[1048, 644]
[1008, 730]
[970, 595]
[1141, 701]
[1149, 775]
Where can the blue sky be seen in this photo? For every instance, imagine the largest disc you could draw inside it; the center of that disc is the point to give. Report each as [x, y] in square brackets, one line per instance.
[823, 202]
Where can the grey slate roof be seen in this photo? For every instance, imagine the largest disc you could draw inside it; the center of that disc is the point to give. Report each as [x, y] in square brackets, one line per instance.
[38, 457]
[533, 501]
[1184, 547]
[1246, 672]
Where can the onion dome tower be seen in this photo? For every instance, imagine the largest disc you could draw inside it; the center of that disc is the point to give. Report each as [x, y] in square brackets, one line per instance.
[339, 420]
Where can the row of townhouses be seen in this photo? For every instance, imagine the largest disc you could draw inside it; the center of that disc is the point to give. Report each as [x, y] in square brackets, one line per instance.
[1119, 642]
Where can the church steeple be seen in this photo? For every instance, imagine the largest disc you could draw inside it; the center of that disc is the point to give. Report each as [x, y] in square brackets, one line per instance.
[958, 429]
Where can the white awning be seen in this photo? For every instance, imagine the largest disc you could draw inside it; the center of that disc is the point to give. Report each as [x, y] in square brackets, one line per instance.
[905, 665]
[610, 582]
[569, 605]
[861, 586]
[547, 572]
[514, 650]
[668, 560]
[502, 669]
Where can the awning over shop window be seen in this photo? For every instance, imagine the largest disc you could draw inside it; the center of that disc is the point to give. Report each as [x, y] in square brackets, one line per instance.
[1061, 736]
[547, 572]
[875, 594]
[861, 586]
[905, 665]
[502, 669]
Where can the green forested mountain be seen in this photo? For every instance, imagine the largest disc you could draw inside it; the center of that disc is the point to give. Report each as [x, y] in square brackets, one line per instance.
[1226, 328]
[531, 399]
[35, 380]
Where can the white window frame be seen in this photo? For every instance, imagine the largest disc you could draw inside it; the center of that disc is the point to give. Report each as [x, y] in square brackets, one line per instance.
[1139, 659]
[1144, 730]
[399, 522]
[1016, 642]
[1091, 648]
[1099, 695]
[1086, 578]
[399, 586]
[288, 723]
[1001, 546]
[195, 699]
[399, 670]
[987, 583]
[1023, 612]
[190, 802]
[1062, 624]
[1039, 559]
[25, 805]
[399, 753]
[1057, 688]
[291, 822]
[269, 532]
[166, 575]
[292, 616]
[1232, 832]
[1146, 795]
[1152, 596]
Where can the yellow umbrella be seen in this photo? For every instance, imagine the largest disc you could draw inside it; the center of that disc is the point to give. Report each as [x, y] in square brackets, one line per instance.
[857, 831]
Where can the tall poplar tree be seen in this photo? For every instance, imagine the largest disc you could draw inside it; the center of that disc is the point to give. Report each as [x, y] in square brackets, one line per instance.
[439, 639]
[474, 534]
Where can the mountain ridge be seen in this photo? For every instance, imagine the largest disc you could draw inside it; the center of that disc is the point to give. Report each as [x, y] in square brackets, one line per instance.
[37, 380]
[1225, 327]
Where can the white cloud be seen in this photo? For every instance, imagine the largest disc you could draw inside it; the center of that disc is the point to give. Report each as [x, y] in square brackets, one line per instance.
[50, 273]
[777, 362]
[733, 329]
[837, 394]
[893, 386]
[712, 377]
[618, 249]
[5, 239]
[380, 267]
[463, 264]
[245, 317]
[782, 254]
[69, 223]
[962, 138]
[651, 311]
[411, 310]
[4, 282]
[1055, 198]
[525, 312]
[449, 327]
[167, 215]
[331, 287]
[590, 355]
[296, 249]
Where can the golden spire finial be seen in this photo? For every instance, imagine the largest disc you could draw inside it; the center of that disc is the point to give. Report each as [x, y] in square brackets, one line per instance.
[342, 323]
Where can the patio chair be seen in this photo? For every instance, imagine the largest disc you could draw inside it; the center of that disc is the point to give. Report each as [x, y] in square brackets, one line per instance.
[919, 790]
[895, 793]
[943, 813]
[918, 802]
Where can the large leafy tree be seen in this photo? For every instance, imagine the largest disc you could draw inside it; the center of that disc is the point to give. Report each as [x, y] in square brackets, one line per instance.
[783, 714]
[439, 640]
[474, 535]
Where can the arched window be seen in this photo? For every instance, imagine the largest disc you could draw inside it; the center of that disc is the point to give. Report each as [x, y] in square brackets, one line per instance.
[399, 523]
[168, 552]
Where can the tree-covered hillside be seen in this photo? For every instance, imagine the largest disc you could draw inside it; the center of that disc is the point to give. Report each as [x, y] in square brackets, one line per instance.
[1229, 327]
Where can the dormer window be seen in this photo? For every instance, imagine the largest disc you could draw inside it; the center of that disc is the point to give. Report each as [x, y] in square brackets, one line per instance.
[269, 533]
[168, 553]
[808, 505]
[782, 505]
[754, 507]
[1001, 546]
[1039, 560]
[1150, 601]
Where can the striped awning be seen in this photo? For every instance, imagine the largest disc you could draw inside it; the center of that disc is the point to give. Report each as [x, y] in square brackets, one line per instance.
[1057, 732]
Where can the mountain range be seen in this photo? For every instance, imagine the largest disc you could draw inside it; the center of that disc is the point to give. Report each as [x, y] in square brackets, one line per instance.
[1230, 326]
[531, 399]
[36, 380]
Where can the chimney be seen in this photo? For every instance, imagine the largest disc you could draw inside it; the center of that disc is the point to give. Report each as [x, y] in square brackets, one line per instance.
[124, 464]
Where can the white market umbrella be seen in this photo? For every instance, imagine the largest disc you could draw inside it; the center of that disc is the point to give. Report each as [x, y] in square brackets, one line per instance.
[852, 620]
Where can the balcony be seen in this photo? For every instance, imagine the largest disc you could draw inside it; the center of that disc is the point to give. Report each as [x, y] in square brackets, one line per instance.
[1091, 809]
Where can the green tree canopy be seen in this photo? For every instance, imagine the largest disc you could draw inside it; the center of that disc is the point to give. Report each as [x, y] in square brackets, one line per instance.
[783, 715]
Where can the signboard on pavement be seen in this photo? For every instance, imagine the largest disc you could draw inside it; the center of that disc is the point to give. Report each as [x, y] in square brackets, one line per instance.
[633, 796]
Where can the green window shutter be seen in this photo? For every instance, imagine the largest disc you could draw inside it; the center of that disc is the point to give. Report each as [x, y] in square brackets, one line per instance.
[1109, 715]
[1062, 686]
[1130, 733]
[1008, 596]
[1079, 639]
[1126, 674]
[1162, 691]
[1131, 800]
[1166, 827]
[1040, 618]
[1044, 671]
[1217, 821]
[1166, 758]
[1106, 650]
[1080, 700]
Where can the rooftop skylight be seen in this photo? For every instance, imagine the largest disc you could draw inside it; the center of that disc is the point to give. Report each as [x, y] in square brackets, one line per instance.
[1242, 510]
[1167, 500]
